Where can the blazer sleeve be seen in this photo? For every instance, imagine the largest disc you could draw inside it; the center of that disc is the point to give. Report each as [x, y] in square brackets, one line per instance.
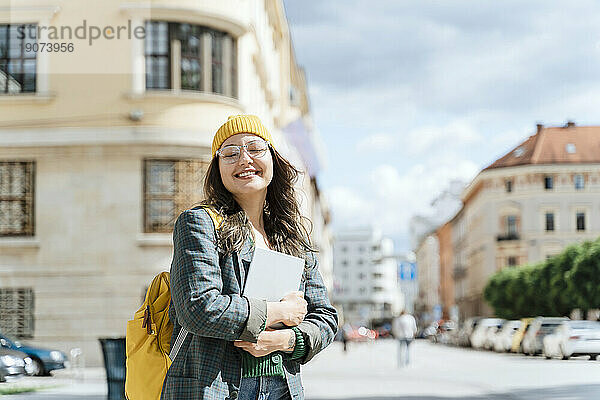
[321, 321]
[196, 285]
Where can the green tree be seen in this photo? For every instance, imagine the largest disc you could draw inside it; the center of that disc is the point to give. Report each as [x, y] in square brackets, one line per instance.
[561, 297]
[583, 280]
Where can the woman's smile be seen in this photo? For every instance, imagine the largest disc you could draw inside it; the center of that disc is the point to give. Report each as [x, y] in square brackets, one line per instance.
[248, 174]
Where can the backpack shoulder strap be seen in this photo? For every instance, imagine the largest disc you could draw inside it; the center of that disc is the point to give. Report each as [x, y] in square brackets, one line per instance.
[178, 342]
[214, 215]
[217, 219]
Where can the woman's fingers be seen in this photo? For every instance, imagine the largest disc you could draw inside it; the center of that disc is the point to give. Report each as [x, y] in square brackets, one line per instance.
[292, 294]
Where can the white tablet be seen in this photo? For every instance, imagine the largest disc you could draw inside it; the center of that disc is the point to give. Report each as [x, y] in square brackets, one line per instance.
[272, 275]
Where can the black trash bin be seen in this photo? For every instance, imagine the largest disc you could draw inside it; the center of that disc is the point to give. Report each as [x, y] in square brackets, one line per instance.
[113, 350]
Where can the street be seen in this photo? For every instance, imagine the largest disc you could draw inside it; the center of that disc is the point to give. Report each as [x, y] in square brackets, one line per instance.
[367, 371]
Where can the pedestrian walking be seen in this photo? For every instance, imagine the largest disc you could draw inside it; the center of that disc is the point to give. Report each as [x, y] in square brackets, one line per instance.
[346, 331]
[404, 328]
[232, 353]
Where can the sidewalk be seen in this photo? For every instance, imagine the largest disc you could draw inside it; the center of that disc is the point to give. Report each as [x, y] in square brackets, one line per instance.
[86, 384]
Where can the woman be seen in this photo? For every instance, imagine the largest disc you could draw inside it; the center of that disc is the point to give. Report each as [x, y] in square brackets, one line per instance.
[231, 353]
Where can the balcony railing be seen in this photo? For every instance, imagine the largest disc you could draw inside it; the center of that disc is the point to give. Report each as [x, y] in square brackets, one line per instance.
[508, 236]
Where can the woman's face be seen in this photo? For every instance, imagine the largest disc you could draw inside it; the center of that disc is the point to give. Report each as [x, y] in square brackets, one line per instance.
[247, 175]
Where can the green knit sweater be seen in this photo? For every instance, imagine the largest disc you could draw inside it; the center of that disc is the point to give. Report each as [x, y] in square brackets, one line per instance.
[271, 364]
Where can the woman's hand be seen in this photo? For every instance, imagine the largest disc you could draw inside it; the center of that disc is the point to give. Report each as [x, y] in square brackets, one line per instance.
[290, 310]
[268, 342]
[294, 308]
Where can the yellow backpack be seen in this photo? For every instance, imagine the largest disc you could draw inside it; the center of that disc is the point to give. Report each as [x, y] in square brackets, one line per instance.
[148, 338]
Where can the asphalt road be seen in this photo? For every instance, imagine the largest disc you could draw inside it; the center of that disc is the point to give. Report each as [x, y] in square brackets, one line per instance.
[436, 372]
[367, 371]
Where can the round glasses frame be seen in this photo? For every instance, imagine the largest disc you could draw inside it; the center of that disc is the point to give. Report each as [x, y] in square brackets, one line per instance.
[235, 157]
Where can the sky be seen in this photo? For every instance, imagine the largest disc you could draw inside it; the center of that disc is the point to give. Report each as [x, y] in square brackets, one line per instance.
[409, 95]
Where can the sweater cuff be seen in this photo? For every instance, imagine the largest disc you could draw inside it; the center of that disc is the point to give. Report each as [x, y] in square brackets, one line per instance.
[299, 348]
[257, 319]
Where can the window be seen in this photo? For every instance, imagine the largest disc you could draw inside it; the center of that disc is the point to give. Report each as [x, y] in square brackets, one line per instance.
[345, 263]
[377, 275]
[16, 312]
[16, 198]
[362, 290]
[360, 261]
[570, 148]
[17, 65]
[511, 261]
[170, 186]
[158, 71]
[509, 187]
[579, 182]
[207, 58]
[377, 289]
[511, 225]
[361, 249]
[218, 39]
[580, 216]
[548, 182]
[191, 38]
[549, 222]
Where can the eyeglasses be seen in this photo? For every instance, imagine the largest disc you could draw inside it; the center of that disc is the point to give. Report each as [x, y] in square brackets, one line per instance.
[231, 153]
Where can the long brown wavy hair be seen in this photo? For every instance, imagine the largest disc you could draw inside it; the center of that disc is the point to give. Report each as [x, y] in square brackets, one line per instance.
[285, 226]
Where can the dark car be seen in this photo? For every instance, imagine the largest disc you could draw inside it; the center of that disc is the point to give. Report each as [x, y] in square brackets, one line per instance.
[43, 360]
[13, 364]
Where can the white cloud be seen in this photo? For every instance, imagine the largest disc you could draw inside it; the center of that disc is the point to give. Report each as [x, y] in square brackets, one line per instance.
[429, 138]
[389, 196]
[377, 142]
[349, 207]
[411, 94]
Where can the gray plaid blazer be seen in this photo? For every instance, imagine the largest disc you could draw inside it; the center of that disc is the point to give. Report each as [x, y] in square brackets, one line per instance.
[206, 299]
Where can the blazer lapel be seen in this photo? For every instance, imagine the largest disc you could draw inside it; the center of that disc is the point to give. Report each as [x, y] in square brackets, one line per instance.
[245, 256]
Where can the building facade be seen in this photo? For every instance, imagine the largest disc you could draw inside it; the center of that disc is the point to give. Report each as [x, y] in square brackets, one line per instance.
[444, 236]
[525, 207]
[105, 142]
[365, 276]
[428, 304]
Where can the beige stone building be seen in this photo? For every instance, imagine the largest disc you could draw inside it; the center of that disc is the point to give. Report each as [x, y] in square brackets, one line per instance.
[104, 140]
[525, 207]
[428, 275]
[446, 292]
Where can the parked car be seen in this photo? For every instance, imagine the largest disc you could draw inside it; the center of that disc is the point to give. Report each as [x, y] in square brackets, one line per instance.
[361, 334]
[492, 334]
[519, 334]
[479, 335]
[463, 337]
[445, 330]
[504, 338]
[13, 364]
[540, 327]
[384, 331]
[43, 360]
[429, 331]
[573, 338]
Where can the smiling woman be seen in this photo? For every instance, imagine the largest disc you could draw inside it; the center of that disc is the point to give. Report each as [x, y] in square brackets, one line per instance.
[234, 351]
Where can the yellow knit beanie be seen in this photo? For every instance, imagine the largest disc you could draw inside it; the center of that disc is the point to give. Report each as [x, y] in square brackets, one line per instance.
[243, 123]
